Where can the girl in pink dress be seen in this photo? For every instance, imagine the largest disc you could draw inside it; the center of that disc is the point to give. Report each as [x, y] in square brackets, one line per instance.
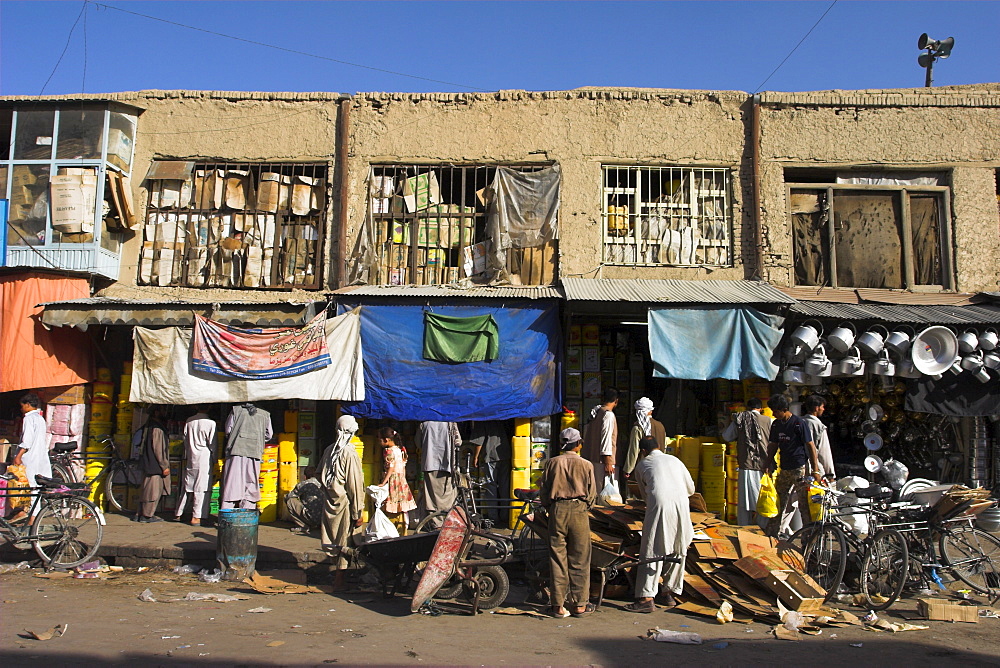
[400, 501]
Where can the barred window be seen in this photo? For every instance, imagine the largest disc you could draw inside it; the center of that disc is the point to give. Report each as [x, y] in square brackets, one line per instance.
[430, 226]
[666, 216]
[234, 225]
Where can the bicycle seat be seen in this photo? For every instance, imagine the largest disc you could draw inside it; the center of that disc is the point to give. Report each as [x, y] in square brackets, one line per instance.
[526, 494]
[873, 492]
[62, 448]
[48, 482]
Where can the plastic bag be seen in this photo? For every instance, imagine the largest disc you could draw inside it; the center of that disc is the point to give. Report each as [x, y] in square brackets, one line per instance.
[215, 575]
[187, 568]
[680, 637]
[767, 501]
[610, 494]
[380, 526]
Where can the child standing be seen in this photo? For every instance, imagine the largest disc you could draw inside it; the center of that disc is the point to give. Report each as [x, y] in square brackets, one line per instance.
[400, 501]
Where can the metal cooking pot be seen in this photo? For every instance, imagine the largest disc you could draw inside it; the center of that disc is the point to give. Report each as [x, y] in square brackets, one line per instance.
[872, 342]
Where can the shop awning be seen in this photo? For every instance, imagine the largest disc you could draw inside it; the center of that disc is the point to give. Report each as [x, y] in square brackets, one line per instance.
[705, 342]
[911, 314]
[523, 381]
[675, 291]
[450, 291]
[83, 313]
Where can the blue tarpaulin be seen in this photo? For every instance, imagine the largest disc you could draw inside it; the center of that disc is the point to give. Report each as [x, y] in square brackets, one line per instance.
[713, 342]
[524, 381]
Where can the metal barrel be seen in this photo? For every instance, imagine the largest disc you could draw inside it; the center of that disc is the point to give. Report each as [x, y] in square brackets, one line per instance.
[236, 547]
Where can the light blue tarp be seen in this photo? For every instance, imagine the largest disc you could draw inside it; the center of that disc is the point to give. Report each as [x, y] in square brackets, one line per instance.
[713, 342]
[524, 381]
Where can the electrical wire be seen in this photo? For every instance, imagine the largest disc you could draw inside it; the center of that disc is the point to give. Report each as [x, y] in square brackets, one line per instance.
[286, 49]
[83, 83]
[69, 38]
[804, 37]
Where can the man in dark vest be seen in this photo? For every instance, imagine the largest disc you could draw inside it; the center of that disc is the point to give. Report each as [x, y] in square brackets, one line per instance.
[600, 438]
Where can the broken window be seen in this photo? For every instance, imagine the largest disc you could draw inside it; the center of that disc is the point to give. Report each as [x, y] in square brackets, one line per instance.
[430, 227]
[234, 225]
[884, 230]
[666, 216]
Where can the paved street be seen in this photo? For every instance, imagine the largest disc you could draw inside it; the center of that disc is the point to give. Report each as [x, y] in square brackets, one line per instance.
[107, 623]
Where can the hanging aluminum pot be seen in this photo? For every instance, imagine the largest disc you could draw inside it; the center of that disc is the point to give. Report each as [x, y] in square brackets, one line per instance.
[968, 341]
[973, 361]
[907, 369]
[956, 366]
[842, 337]
[982, 375]
[872, 342]
[989, 340]
[991, 360]
[899, 340]
[818, 364]
[851, 365]
[807, 335]
[884, 366]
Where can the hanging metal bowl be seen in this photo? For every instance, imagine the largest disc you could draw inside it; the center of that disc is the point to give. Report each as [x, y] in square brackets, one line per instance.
[875, 413]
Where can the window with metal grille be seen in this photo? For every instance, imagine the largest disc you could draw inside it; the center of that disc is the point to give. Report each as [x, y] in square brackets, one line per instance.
[234, 225]
[430, 226]
[666, 216]
[887, 230]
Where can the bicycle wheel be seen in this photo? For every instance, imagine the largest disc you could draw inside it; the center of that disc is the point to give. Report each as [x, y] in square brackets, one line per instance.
[825, 555]
[533, 550]
[432, 522]
[974, 555]
[884, 569]
[115, 493]
[62, 474]
[66, 532]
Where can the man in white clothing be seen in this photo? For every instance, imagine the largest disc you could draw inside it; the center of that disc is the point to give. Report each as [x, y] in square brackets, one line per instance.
[665, 484]
[813, 407]
[199, 451]
[34, 448]
[600, 438]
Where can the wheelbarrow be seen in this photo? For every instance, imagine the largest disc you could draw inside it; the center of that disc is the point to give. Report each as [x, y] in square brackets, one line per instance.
[396, 559]
[605, 562]
[455, 564]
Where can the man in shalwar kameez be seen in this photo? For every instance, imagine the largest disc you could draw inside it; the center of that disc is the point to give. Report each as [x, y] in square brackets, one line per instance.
[199, 451]
[665, 484]
[248, 428]
[342, 480]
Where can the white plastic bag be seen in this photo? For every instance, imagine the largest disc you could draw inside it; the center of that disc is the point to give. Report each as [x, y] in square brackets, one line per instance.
[610, 494]
[680, 637]
[380, 526]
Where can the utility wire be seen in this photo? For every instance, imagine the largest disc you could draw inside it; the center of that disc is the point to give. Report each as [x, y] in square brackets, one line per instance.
[795, 47]
[285, 49]
[69, 38]
[83, 83]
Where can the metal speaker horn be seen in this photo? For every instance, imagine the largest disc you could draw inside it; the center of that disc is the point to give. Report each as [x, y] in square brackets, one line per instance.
[923, 41]
[934, 350]
[944, 49]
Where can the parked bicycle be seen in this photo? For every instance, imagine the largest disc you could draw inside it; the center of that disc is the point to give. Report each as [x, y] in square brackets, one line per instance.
[112, 481]
[63, 527]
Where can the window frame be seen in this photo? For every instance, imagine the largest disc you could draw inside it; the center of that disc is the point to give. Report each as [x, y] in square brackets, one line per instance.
[903, 192]
[641, 245]
[389, 253]
[288, 171]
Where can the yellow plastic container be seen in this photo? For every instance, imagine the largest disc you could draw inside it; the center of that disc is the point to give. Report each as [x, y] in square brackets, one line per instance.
[670, 446]
[713, 489]
[373, 450]
[269, 460]
[124, 387]
[127, 367]
[359, 447]
[100, 412]
[292, 421]
[103, 374]
[286, 447]
[713, 458]
[570, 420]
[268, 482]
[123, 423]
[590, 335]
[522, 427]
[732, 490]
[521, 452]
[520, 478]
[104, 391]
[731, 513]
[288, 476]
[732, 466]
[816, 504]
[268, 507]
[689, 451]
[94, 469]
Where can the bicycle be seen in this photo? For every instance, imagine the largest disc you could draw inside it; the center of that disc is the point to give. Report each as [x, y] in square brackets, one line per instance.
[465, 484]
[65, 529]
[119, 472]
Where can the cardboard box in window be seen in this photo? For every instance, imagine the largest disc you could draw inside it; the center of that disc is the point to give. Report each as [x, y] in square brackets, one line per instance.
[421, 191]
[119, 148]
[947, 611]
[209, 188]
[72, 209]
[274, 192]
[474, 258]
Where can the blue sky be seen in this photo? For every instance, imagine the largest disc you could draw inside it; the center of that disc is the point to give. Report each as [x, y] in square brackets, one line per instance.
[457, 46]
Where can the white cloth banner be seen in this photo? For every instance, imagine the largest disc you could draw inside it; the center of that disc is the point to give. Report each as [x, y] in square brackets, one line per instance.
[162, 374]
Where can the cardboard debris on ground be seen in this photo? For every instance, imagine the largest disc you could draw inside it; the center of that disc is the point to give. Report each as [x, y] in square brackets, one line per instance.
[519, 611]
[55, 632]
[281, 582]
[946, 611]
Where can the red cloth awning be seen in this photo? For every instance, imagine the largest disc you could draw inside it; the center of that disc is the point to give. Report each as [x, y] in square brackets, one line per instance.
[32, 356]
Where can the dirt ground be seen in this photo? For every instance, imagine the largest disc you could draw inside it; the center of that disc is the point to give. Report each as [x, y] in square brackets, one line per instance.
[107, 623]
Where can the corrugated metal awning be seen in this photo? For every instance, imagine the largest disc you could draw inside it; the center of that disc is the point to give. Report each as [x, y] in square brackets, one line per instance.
[677, 291]
[878, 296]
[914, 314]
[84, 313]
[451, 291]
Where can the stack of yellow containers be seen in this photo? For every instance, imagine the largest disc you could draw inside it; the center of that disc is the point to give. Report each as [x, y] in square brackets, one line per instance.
[288, 468]
[306, 443]
[520, 476]
[713, 476]
[732, 486]
[689, 452]
[268, 504]
[99, 428]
